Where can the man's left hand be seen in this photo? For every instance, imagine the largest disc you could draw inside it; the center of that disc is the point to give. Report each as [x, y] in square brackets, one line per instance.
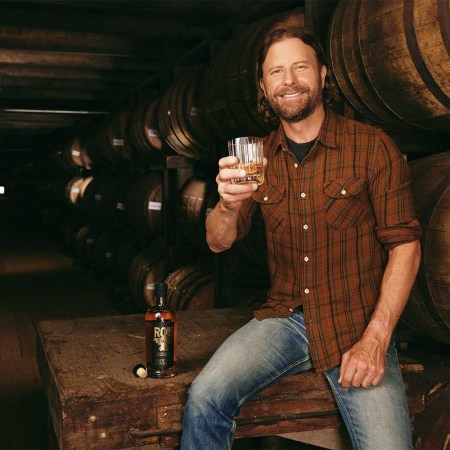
[364, 364]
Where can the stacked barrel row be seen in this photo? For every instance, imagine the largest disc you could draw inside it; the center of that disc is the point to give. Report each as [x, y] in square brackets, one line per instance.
[112, 225]
[205, 106]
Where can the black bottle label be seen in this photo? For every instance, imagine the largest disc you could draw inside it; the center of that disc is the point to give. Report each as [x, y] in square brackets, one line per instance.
[162, 344]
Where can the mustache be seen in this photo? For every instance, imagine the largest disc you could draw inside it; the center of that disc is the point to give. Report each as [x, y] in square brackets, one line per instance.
[293, 91]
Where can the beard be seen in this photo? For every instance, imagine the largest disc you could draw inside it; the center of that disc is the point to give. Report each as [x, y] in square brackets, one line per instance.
[300, 109]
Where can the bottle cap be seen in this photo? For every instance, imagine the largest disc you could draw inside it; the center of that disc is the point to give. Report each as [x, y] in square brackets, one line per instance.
[160, 290]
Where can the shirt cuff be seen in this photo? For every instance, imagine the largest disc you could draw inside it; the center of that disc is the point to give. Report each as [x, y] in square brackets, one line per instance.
[403, 233]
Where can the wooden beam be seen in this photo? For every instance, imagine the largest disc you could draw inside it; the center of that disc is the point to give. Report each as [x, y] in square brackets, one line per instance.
[39, 71]
[18, 14]
[20, 38]
[61, 84]
[76, 60]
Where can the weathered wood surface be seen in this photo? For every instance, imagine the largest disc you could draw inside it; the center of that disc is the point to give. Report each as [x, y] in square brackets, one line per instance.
[95, 401]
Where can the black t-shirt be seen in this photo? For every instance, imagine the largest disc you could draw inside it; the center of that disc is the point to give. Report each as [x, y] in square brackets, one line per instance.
[300, 150]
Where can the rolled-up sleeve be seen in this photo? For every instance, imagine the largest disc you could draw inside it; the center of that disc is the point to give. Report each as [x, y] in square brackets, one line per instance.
[391, 196]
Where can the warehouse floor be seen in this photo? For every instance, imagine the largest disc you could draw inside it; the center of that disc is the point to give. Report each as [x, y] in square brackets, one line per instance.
[37, 282]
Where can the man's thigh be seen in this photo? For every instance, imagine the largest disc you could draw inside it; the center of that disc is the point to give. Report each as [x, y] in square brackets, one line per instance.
[377, 417]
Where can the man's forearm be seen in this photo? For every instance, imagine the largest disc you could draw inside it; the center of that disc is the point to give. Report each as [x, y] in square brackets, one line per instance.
[396, 285]
[221, 228]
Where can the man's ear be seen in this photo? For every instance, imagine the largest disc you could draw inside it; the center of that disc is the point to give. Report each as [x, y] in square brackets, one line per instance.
[261, 85]
[323, 74]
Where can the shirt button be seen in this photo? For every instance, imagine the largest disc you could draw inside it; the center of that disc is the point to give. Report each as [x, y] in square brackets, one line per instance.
[306, 259]
[306, 291]
[266, 198]
[295, 165]
[343, 192]
[305, 227]
[302, 195]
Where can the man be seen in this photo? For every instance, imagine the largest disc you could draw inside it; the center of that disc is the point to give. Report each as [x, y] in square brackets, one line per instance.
[336, 202]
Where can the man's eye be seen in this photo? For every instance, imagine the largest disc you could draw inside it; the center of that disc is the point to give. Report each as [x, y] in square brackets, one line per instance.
[276, 71]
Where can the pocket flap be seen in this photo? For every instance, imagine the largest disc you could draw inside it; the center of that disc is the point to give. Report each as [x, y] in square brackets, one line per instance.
[269, 194]
[343, 187]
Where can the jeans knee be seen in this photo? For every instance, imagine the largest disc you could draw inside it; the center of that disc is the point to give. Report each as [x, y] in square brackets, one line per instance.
[205, 400]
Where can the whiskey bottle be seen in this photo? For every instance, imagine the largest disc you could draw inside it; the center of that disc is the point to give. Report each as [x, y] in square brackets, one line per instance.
[161, 324]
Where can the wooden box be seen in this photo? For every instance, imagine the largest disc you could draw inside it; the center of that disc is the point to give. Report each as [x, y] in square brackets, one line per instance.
[95, 402]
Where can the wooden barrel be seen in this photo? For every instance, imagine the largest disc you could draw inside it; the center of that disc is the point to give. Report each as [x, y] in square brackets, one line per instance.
[103, 252]
[190, 288]
[145, 203]
[85, 241]
[112, 139]
[230, 92]
[72, 227]
[76, 188]
[114, 200]
[91, 201]
[127, 249]
[194, 203]
[146, 269]
[428, 308]
[144, 128]
[181, 118]
[75, 154]
[391, 60]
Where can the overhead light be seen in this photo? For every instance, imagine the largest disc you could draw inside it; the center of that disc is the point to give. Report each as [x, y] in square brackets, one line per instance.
[50, 111]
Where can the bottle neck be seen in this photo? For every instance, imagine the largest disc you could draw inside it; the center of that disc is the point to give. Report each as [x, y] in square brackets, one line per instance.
[160, 302]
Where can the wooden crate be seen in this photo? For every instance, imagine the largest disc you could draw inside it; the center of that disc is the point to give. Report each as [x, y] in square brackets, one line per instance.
[96, 402]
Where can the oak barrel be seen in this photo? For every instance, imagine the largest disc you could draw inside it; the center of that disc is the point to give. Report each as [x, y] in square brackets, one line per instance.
[75, 154]
[145, 203]
[91, 201]
[103, 252]
[230, 92]
[189, 287]
[428, 308]
[144, 128]
[391, 60]
[84, 242]
[194, 203]
[127, 249]
[114, 198]
[181, 118]
[146, 268]
[75, 189]
[112, 139]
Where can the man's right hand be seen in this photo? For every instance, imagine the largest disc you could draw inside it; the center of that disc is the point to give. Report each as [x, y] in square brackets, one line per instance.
[232, 195]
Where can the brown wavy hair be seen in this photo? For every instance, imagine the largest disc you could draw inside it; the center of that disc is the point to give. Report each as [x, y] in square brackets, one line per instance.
[278, 34]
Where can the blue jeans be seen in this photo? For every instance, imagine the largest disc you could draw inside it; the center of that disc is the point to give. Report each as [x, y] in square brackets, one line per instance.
[263, 352]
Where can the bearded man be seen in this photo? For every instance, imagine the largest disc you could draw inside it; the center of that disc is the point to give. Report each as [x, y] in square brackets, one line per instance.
[343, 253]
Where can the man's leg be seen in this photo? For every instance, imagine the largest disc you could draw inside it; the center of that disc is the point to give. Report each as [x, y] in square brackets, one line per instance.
[377, 418]
[254, 357]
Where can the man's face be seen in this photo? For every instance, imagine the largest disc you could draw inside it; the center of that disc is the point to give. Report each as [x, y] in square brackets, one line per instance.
[292, 80]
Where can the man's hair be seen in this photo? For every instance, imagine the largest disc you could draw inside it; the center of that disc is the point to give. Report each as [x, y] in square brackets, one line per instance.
[278, 34]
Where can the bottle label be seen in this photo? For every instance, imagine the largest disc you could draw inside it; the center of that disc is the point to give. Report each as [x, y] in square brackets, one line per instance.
[162, 344]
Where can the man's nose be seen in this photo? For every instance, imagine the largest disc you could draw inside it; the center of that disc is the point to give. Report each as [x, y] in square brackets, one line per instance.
[289, 77]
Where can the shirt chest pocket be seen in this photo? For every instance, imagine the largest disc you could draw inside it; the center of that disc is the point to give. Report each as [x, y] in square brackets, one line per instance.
[271, 200]
[343, 202]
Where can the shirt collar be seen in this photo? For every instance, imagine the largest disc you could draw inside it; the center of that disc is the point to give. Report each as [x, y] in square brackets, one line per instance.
[327, 134]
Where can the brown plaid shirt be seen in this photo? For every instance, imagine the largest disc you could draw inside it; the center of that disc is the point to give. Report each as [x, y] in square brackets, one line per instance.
[329, 221]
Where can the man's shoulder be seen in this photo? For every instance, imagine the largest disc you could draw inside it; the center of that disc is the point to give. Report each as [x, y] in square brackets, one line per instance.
[357, 127]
